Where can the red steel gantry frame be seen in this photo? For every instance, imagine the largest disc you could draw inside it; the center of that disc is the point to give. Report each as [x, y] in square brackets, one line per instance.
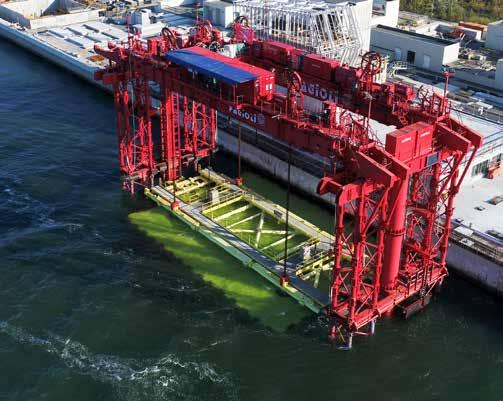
[400, 196]
[181, 144]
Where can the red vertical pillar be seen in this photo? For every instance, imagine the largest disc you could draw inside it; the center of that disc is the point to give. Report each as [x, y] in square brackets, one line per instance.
[429, 240]
[448, 217]
[195, 127]
[337, 280]
[213, 128]
[167, 127]
[148, 113]
[381, 231]
[337, 250]
[394, 235]
[357, 259]
[121, 99]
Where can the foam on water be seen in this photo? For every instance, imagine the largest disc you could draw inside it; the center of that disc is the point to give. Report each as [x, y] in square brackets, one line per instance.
[36, 214]
[22, 203]
[166, 378]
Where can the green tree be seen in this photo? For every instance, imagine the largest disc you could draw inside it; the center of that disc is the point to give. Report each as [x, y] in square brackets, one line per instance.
[482, 11]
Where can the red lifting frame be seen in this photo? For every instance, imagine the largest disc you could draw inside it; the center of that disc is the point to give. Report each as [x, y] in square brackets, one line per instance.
[401, 199]
[370, 197]
[187, 127]
[358, 257]
[134, 128]
[199, 130]
[430, 207]
[169, 111]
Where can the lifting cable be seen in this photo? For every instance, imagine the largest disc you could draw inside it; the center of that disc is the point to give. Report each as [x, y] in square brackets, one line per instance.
[130, 40]
[239, 151]
[210, 154]
[174, 192]
[334, 245]
[285, 256]
[173, 143]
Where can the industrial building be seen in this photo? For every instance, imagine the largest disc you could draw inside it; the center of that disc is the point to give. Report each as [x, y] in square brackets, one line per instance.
[494, 36]
[337, 29]
[328, 29]
[220, 13]
[422, 51]
[37, 14]
[467, 49]
[487, 74]
[385, 12]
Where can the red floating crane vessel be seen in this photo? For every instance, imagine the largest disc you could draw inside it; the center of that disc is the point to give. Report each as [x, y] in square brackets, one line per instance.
[399, 194]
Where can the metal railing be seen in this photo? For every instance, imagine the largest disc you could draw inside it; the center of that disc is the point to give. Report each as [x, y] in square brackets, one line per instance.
[224, 199]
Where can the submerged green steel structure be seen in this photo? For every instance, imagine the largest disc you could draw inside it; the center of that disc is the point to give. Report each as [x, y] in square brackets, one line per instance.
[254, 231]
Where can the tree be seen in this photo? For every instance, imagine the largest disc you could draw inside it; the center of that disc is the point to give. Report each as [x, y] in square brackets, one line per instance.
[482, 11]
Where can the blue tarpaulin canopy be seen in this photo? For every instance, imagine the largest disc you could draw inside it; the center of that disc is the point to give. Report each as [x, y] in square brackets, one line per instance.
[210, 67]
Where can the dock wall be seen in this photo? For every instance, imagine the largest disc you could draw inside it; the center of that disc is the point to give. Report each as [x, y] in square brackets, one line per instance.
[49, 53]
[476, 267]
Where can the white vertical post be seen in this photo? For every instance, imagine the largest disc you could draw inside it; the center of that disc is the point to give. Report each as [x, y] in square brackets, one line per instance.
[350, 341]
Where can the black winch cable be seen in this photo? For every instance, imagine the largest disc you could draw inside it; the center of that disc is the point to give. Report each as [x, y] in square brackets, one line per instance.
[285, 256]
[239, 150]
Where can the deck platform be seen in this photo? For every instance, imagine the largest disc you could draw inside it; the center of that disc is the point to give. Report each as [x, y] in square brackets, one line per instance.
[252, 229]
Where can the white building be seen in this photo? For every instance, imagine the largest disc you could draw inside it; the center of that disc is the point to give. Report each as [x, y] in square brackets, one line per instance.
[333, 28]
[423, 51]
[494, 36]
[330, 29]
[363, 15]
[491, 150]
[385, 12]
[220, 13]
[499, 74]
[37, 14]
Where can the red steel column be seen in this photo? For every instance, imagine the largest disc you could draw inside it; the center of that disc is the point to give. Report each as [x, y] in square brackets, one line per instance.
[448, 217]
[337, 249]
[337, 280]
[428, 244]
[121, 98]
[394, 235]
[380, 252]
[169, 111]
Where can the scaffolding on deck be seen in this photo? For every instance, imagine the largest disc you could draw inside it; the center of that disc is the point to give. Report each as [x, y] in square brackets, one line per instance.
[330, 30]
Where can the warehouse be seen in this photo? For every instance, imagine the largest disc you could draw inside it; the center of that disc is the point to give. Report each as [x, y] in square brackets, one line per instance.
[422, 51]
[494, 36]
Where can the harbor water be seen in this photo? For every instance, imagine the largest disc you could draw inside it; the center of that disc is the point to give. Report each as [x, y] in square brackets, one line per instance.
[92, 309]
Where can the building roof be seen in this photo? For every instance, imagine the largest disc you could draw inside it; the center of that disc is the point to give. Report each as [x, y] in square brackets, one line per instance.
[472, 206]
[218, 4]
[415, 35]
[488, 129]
[208, 63]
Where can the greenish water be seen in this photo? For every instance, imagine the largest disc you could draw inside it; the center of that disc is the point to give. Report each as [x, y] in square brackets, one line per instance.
[248, 289]
[92, 309]
[268, 242]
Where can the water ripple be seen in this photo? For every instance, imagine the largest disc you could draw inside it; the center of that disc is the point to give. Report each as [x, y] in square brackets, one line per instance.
[166, 378]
